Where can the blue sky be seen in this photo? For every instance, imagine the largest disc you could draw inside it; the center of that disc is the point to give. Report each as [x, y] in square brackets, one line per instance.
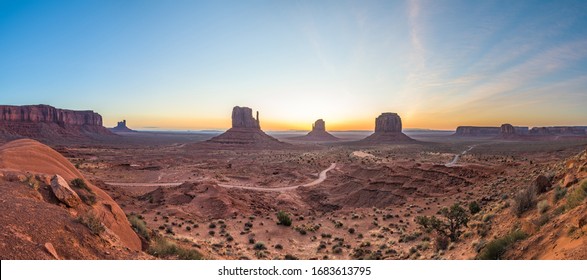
[185, 64]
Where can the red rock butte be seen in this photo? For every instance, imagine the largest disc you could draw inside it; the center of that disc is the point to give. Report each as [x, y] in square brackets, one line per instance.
[317, 134]
[246, 131]
[44, 121]
[388, 129]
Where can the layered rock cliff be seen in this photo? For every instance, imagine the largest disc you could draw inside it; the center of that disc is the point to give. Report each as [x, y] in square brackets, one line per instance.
[45, 122]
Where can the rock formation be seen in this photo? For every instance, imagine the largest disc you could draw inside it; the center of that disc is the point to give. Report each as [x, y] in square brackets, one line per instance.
[388, 122]
[246, 132]
[63, 192]
[507, 129]
[45, 122]
[121, 127]
[242, 117]
[27, 157]
[388, 129]
[559, 131]
[317, 134]
[488, 131]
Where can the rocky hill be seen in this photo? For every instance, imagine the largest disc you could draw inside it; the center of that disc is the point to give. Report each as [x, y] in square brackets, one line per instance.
[50, 211]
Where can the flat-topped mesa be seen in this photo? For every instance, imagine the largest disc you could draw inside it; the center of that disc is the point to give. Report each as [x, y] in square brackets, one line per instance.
[47, 122]
[388, 122]
[559, 131]
[242, 117]
[48, 114]
[388, 129]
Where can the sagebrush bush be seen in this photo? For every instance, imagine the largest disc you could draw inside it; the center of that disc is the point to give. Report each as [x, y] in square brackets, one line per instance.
[283, 218]
[139, 226]
[474, 207]
[164, 248]
[92, 223]
[543, 206]
[576, 196]
[496, 248]
[524, 200]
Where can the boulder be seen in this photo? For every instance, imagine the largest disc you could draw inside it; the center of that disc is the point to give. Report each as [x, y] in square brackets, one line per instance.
[63, 192]
[542, 183]
[51, 250]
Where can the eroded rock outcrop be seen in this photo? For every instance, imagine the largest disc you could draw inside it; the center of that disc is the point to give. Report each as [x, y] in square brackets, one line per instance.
[121, 127]
[246, 132]
[559, 130]
[44, 121]
[63, 192]
[388, 129]
[318, 133]
[242, 117]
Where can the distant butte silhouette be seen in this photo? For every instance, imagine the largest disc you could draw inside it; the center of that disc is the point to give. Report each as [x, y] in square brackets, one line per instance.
[121, 127]
[317, 134]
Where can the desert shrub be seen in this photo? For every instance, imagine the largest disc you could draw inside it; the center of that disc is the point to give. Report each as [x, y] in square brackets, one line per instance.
[351, 230]
[542, 220]
[32, 182]
[496, 248]
[139, 226]
[83, 190]
[455, 218]
[259, 246]
[290, 257]
[474, 207]
[576, 196]
[441, 242]
[80, 184]
[164, 248]
[542, 206]
[92, 223]
[524, 200]
[283, 219]
[559, 193]
[278, 246]
[212, 225]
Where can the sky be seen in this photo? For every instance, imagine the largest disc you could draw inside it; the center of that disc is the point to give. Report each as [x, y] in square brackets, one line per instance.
[183, 65]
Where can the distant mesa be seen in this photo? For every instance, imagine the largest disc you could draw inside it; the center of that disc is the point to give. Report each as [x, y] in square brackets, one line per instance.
[559, 131]
[47, 122]
[507, 130]
[246, 132]
[121, 127]
[388, 129]
[317, 134]
[488, 131]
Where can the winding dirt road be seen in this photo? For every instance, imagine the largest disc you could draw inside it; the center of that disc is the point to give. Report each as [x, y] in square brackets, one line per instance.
[458, 156]
[321, 177]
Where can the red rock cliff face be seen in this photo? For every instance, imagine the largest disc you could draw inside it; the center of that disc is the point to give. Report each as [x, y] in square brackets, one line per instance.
[48, 114]
[43, 122]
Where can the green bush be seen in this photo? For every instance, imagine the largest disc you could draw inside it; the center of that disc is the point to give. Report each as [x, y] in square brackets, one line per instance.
[92, 223]
[80, 184]
[283, 218]
[455, 218]
[576, 196]
[559, 193]
[164, 248]
[496, 248]
[139, 226]
[474, 207]
[259, 246]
